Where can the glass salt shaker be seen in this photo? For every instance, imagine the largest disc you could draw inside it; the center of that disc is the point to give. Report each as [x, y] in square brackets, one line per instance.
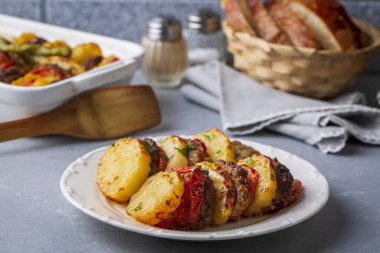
[205, 38]
[165, 58]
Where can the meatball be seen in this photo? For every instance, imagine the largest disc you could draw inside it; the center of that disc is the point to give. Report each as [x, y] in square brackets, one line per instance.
[159, 158]
[284, 180]
[239, 178]
[242, 151]
[208, 204]
[196, 151]
[92, 62]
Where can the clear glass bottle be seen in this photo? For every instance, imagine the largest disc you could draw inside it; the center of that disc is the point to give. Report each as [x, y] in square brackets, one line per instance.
[205, 38]
[165, 58]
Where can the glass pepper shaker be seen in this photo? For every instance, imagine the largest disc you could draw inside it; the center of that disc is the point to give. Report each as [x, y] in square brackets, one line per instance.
[205, 38]
[165, 58]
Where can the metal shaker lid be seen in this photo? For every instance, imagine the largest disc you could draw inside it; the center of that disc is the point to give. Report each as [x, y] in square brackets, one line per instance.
[205, 21]
[166, 28]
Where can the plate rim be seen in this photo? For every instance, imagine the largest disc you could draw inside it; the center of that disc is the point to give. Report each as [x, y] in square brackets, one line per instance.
[188, 235]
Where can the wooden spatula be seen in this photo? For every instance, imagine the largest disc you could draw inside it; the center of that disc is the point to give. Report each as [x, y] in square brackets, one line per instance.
[100, 114]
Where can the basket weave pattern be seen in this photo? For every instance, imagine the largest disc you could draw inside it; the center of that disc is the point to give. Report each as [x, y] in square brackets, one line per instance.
[303, 71]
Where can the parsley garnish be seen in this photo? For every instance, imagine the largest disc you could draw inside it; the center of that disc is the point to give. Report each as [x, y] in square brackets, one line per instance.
[112, 144]
[191, 147]
[248, 160]
[205, 169]
[148, 147]
[208, 159]
[218, 152]
[183, 151]
[273, 174]
[163, 155]
[170, 157]
[209, 136]
[137, 208]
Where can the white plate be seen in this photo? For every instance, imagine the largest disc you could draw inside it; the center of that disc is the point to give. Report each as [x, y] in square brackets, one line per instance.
[79, 188]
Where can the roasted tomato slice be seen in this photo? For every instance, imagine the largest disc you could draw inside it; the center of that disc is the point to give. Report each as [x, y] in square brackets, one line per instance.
[108, 60]
[39, 77]
[189, 211]
[5, 62]
[197, 184]
[46, 72]
[297, 190]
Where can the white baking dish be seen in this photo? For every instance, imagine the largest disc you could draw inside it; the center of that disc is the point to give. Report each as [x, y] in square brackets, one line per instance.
[20, 102]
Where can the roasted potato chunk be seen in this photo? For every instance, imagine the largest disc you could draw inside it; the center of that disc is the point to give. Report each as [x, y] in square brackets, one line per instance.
[123, 169]
[28, 38]
[224, 192]
[267, 188]
[218, 145]
[83, 51]
[157, 199]
[175, 148]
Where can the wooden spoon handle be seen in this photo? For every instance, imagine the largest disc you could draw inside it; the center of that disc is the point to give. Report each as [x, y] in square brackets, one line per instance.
[20, 128]
[34, 126]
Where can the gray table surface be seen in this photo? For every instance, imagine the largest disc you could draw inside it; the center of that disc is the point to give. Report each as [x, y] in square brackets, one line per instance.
[35, 217]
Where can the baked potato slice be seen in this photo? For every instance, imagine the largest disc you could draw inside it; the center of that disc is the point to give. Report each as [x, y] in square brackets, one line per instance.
[267, 187]
[175, 148]
[83, 51]
[218, 145]
[123, 169]
[157, 199]
[224, 192]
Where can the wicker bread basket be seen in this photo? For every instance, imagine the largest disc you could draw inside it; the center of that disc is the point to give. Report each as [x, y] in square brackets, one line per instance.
[303, 71]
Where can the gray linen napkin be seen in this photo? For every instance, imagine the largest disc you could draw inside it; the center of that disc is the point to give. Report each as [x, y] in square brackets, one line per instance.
[246, 106]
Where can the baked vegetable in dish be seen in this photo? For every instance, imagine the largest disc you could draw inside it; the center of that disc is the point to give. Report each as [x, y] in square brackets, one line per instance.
[53, 61]
[174, 185]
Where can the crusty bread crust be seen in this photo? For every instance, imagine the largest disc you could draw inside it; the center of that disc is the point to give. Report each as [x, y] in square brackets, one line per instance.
[235, 17]
[329, 22]
[296, 30]
[262, 22]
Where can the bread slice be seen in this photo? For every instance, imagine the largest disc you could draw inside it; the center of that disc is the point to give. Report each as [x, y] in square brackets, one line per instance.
[262, 22]
[235, 17]
[297, 32]
[329, 22]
